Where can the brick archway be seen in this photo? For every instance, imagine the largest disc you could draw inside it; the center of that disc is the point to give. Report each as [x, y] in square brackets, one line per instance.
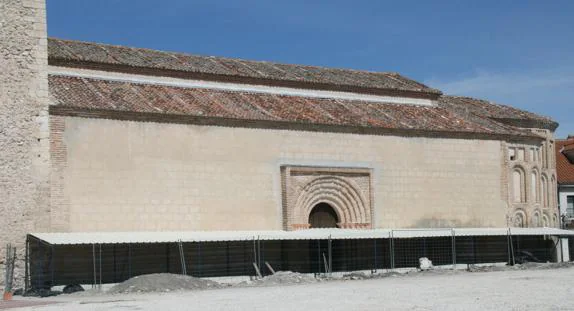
[347, 191]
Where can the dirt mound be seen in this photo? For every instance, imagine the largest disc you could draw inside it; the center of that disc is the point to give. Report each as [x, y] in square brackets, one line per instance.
[162, 282]
[285, 277]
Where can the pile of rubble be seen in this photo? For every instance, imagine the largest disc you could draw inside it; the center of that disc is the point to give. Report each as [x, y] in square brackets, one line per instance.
[162, 282]
[285, 277]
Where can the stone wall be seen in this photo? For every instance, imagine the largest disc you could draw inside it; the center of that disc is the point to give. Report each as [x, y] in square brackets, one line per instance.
[24, 155]
[127, 175]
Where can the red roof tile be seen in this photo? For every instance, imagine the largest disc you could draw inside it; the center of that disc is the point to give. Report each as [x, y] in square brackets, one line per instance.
[85, 93]
[564, 168]
[501, 113]
[208, 67]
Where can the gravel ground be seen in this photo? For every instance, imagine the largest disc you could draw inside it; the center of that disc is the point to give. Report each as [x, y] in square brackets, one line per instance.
[540, 287]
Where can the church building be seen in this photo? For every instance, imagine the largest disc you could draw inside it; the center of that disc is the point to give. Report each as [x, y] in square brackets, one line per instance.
[102, 138]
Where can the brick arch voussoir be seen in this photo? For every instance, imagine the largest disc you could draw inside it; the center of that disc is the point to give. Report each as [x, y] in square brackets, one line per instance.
[337, 189]
[354, 206]
[321, 189]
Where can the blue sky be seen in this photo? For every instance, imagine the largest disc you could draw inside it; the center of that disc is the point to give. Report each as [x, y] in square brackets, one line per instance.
[519, 53]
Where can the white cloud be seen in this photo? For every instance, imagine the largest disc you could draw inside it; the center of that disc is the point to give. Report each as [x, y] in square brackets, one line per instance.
[548, 92]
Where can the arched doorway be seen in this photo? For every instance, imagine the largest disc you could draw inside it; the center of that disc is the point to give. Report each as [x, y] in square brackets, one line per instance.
[323, 216]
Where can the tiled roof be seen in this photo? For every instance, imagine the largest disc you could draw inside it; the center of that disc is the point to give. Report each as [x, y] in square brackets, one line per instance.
[501, 113]
[564, 168]
[145, 61]
[119, 96]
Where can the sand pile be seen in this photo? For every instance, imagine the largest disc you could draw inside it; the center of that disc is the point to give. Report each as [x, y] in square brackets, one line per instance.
[162, 282]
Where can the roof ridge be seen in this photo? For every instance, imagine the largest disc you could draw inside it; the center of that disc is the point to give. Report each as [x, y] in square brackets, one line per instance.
[390, 73]
[136, 57]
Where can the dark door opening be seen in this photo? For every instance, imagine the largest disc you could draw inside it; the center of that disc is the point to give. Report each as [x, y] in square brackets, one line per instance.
[323, 216]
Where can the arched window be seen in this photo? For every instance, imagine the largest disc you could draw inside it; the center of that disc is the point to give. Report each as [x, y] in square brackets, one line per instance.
[545, 221]
[534, 188]
[518, 185]
[536, 220]
[519, 219]
[544, 191]
[554, 221]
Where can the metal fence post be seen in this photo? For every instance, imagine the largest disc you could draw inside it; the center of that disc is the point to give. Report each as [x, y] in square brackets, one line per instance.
[182, 258]
[129, 261]
[255, 260]
[375, 256]
[100, 266]
[453, 248]
[330, 251]
[259, 262]
[319, 256]
[199, 262]
[510, 248]
[51, 265]
[392, 249]
[39, 266]
[94, 263]
[26, 266]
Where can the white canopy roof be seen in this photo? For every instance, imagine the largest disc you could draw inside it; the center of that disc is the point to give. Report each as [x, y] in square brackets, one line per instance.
[70, 238]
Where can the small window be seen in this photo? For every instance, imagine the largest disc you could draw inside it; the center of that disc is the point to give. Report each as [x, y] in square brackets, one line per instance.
[570, 206]
[532, 155]
[512, 154]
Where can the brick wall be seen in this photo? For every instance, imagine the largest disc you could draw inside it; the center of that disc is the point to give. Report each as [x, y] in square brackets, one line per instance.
[532, 210]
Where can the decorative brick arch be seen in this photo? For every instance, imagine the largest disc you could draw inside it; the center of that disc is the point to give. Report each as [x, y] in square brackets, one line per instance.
[545, 220]
[341, 194]
[554, 223]
[519, 219]
[346, 190]
[536, 220]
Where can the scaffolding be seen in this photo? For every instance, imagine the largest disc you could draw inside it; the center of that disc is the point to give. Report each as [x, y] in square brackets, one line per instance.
[97, 258]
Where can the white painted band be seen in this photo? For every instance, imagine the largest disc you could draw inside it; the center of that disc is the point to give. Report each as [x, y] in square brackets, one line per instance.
[235, 87]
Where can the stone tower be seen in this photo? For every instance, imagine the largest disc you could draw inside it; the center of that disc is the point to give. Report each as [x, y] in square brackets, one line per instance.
[24, 143]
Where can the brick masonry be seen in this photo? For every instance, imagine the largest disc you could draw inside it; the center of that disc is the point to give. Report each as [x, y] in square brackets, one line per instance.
[533, 210]
[346, 190]
[24, 141]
